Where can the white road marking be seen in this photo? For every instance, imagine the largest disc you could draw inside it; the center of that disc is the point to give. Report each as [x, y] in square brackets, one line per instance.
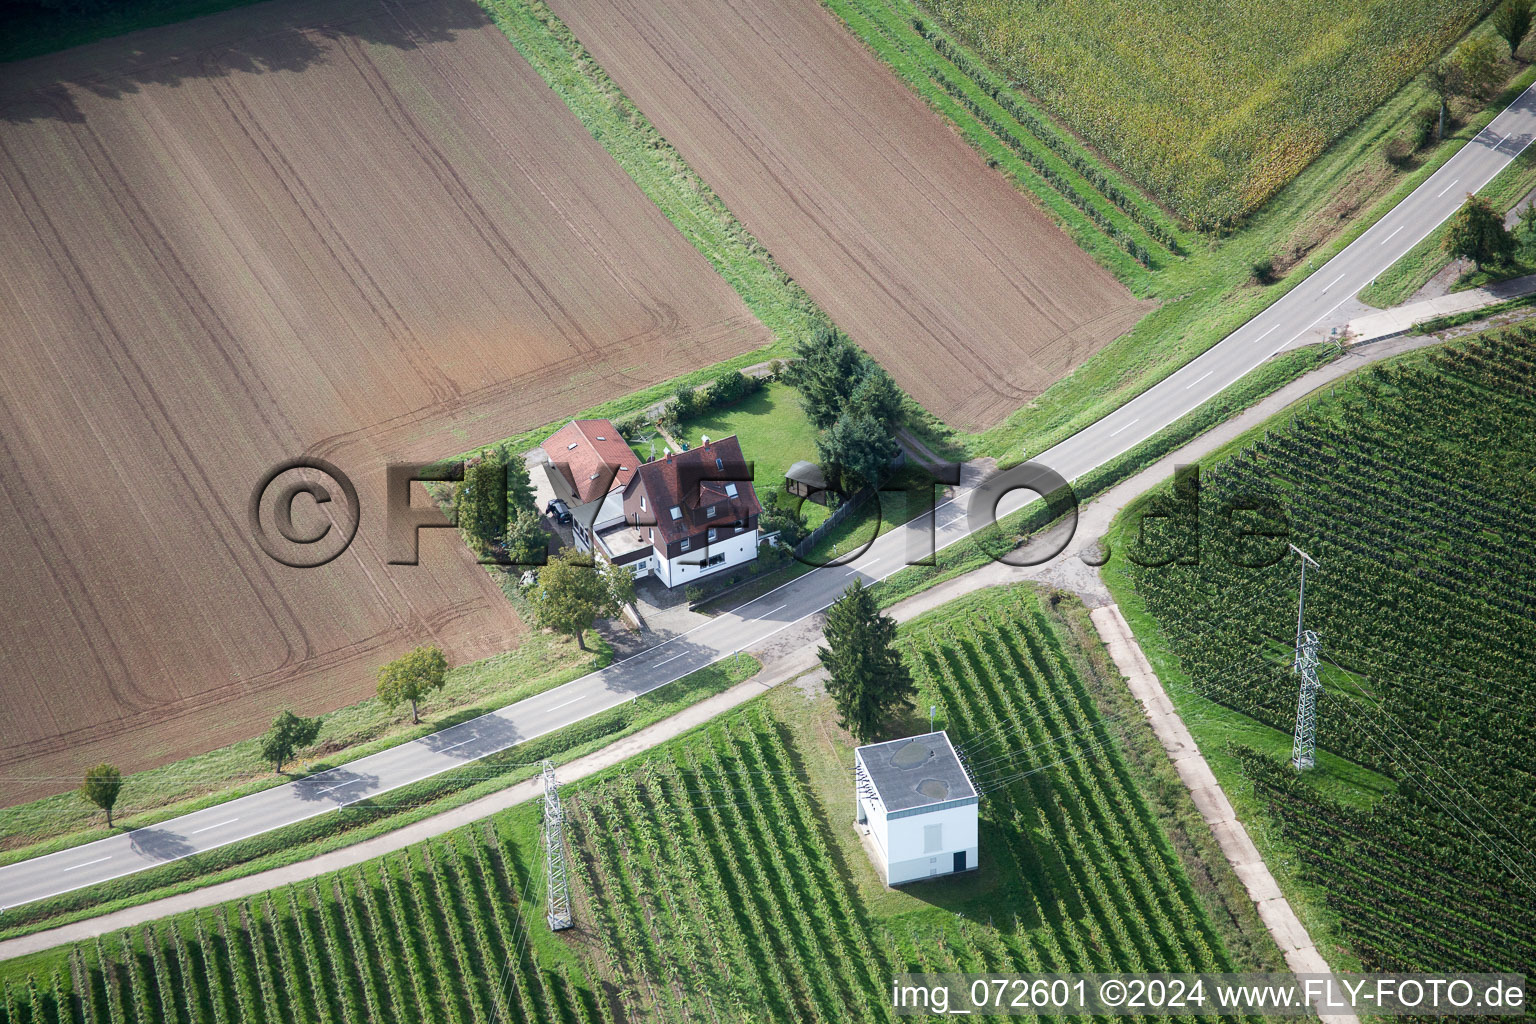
[770, 611]
[850, 572]
[1449, 187]
[1332, 283]
[576, 700]
[1132, 423]
[1395, 230]
[88, 863]
[1266, 334]
[209, 828]
[461, 742]
[658, 665]
[1198, 379]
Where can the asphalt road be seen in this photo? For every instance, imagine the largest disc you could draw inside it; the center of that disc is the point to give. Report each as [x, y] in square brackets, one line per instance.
[1282, 324]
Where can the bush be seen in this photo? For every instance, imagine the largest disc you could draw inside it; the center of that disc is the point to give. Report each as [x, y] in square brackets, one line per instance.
[694, 593]
[632, 426]
[789, 522]
[1398, 150]
[1425, 122]
[731, 387]
[1263, 270]
[684, 404]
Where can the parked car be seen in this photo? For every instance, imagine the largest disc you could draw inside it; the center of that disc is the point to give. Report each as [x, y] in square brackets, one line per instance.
[560, 510]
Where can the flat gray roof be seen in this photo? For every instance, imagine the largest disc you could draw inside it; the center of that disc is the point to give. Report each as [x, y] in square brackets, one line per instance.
[916, 771]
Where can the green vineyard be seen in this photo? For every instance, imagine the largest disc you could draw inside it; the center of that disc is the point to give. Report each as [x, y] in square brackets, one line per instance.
[1412, 488]
[718, 879]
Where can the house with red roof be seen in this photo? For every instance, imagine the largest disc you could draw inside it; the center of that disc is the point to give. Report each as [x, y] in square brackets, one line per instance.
[678, 518]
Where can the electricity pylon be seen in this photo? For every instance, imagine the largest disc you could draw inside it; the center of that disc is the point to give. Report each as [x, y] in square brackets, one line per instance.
[1304, 741]
[554, 854]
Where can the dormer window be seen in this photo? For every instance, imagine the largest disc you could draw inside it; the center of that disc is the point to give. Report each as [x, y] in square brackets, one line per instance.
[709, 513]
[682, 545]
[711, 533]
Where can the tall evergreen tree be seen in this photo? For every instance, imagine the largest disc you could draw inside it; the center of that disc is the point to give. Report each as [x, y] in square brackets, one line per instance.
[826, 369]
[867, 680]
[856, 451]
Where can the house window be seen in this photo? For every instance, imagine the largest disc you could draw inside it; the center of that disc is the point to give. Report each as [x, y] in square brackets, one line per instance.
[676, 512]
[570, 446]
[730, 489]
[719, 462]
[652, 535]
[642, 503]
[933, 838]
[715, 559]
[709, 513]
[682, 545]
[711, 533]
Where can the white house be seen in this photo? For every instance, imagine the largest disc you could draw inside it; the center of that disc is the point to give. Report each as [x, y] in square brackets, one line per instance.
[916, 799]
[687, 515]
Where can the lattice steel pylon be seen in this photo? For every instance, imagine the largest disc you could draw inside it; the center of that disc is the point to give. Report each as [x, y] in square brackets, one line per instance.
[556, 886]
[1304, 741]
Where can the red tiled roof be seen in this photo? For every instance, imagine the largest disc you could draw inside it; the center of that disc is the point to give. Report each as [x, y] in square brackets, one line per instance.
[590, 454]
[685, 480]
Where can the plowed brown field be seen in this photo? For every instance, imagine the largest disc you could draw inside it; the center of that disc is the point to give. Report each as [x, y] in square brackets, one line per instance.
[368, 232]
[971, 297]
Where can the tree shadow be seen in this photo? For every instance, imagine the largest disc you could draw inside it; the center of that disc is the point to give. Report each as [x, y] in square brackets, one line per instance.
[159, 844]
[285, 35]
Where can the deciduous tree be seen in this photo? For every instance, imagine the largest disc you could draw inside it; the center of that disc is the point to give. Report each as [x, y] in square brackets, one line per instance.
[573, 592]
[411, 677]
[101, 786]
[1512, 21]
[1476, 232]
[288, 735]
[1478, 61]
[866, 677]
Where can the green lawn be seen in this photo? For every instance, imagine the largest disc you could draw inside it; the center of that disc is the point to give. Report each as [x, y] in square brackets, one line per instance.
[771, 426]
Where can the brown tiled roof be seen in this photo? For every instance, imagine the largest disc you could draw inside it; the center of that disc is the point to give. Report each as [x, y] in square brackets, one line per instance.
[587, 452]
[684, 480]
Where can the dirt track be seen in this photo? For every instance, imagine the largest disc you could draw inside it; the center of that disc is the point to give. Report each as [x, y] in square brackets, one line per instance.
[937, 265]
[368, 233]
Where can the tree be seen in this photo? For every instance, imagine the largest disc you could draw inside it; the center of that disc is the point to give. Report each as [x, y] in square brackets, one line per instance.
[411, 677]
[1444, 80]
[573, 593]
[525, 539]
[866, 678]
[101, 786]
[520, 492]
[856, 451]
[1512, 21]
[482, 502]
[288, 735]
[877, 397]
[826, 370]
[1525, 230]
[1477, 60]
[1476, 232]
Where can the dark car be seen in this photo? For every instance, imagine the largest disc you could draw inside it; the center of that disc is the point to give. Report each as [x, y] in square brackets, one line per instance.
[560, 510]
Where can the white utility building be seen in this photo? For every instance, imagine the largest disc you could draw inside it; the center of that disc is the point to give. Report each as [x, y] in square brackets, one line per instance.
[919, 806]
